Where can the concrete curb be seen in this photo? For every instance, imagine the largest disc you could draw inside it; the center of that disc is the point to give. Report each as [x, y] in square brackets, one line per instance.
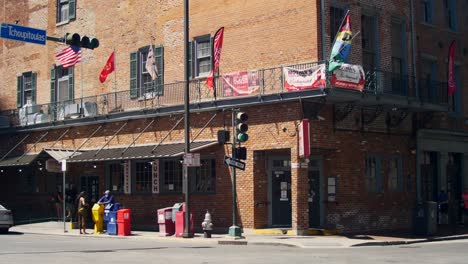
[408, 242]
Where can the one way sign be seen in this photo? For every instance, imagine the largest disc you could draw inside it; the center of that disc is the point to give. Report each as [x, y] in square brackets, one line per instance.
[234, 163]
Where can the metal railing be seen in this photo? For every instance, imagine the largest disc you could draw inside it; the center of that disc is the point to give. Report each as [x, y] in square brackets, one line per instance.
[260, 82]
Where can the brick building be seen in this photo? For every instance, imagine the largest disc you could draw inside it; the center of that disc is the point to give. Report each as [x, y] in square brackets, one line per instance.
[374, 153]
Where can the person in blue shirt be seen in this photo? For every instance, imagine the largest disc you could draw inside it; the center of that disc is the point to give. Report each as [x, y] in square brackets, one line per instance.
[106, 199]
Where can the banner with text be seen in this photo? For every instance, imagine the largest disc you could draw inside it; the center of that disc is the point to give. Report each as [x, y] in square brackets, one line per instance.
[349, 76]
[310, 78]
[241, 83]
[155, 184]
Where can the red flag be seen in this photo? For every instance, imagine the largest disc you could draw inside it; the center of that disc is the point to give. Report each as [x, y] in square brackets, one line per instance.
[217, 47]
[69, 56]
[452, 86]
[107, 69]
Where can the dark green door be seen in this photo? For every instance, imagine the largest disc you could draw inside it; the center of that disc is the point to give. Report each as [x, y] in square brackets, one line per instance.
[281, 198]
[314, 199]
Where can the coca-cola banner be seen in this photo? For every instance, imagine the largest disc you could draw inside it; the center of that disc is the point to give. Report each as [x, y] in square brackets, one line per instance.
[310, 78]
[240, 83]
[349, 76]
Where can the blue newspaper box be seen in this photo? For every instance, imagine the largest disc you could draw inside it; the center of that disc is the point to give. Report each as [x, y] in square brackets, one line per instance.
[112, 223]
[110, 208]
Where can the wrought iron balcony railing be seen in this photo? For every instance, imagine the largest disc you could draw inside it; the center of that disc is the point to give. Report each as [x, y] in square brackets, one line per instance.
[247, 83]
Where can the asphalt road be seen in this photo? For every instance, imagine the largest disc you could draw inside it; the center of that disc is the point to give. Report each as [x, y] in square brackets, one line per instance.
[21, 248]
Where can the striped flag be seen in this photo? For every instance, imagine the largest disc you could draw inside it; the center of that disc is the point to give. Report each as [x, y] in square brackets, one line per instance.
[69, 56]
[217, 47]
[342, 45]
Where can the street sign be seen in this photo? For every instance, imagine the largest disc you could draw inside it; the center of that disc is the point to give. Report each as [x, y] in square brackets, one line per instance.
[234, 163]
[192, 159]
[20, 33]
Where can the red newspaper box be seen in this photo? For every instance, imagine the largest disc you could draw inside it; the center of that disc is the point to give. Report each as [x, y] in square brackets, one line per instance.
[180, 223]
[123, 222]
[166, 226]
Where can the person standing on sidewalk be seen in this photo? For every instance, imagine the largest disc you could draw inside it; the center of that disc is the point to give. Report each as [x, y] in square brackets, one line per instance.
[82, 212]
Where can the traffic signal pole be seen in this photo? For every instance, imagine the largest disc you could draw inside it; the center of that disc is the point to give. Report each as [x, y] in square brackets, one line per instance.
[234, 230]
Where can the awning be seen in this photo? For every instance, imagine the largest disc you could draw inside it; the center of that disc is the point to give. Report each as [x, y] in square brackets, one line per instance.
[61, 154]
[18, 160]
[140, 152]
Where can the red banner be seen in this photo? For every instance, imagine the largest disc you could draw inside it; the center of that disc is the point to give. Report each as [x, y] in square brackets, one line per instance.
[240, 83]
[217, 47]
[452, 86]
[349, 76]
[108, 68]
[310, 78]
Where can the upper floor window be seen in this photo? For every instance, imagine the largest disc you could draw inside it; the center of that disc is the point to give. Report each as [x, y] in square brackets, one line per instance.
[141, 83]
[427, 11]
[451, 14]
[62, 84]
[373, 173]
[66, 10]
[398, 47]
[200, 57]
[428, 83]
[26, 89]
[336, 17]
[369, 42]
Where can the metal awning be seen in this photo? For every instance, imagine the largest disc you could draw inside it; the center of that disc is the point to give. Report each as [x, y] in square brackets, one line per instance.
[140, 152]
[23, 160]
[60, 154]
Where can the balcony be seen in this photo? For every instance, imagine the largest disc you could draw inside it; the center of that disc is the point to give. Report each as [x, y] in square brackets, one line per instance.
[236, 89]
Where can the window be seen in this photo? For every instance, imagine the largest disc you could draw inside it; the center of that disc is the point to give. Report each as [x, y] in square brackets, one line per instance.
[457, 96]
[172, 176]
[398, 58]
[143, 171]
[141, 84]
[395, 174]
[336, 17]
[369, 42]
[373, 174]
[115, 177]
[200, 57]
[66, 10]
[205, 177]
[26, 92]
[450, 14]
[62, 84]
[427, 11]
[428, 83]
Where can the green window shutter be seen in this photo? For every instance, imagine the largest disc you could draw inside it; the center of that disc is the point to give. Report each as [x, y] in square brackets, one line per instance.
[53, 93]
[71, 81]
[159, 56]
[190, 60]
[34, 87]
[211, 55]
[72, 9]
[133, 75]
[19, 91]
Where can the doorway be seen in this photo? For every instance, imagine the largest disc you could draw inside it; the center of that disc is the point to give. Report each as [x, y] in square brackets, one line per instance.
[315, 193]
[90, 184]
[280, 192]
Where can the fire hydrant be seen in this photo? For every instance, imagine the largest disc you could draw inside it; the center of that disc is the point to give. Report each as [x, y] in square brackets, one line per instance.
[207, 225]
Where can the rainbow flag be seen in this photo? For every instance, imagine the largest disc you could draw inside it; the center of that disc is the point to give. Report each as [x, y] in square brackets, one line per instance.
[342, 45]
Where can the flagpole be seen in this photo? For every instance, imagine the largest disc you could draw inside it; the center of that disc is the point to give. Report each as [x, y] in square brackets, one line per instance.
[81, 83]
[115, 81]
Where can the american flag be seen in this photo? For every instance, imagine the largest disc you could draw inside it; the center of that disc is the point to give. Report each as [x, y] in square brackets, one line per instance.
[69, 56]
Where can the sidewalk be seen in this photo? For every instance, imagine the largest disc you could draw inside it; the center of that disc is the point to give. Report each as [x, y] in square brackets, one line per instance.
[336, 241]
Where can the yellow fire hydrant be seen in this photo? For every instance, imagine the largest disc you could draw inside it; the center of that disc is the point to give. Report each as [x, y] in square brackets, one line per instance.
[98, 218]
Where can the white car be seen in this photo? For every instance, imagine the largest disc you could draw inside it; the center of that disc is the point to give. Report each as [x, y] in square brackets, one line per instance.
[6, 219]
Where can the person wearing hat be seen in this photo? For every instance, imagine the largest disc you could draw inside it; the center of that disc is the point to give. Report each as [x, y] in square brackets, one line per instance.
[106, 199]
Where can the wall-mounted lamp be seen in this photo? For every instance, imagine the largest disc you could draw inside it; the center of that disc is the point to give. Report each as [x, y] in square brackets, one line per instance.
[94, 165]
[20, 170]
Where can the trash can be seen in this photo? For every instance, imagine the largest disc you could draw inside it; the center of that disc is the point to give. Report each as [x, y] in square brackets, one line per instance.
[112, 223]
[425, 219]
[166, 225]
[98, 218]
[123, 222]
[180, 222]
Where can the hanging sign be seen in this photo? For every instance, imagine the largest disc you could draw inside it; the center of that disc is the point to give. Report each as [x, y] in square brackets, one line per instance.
[127, 178]
[155, 181]
[304, 139]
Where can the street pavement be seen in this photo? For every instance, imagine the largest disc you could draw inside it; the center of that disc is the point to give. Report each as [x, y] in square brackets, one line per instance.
[334, 241]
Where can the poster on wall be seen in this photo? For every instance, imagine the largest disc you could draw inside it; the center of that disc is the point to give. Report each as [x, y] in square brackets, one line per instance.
[349, 76]
[304, 139]
[310, 78]
[241, 83]
[127, 178]
[155, 180]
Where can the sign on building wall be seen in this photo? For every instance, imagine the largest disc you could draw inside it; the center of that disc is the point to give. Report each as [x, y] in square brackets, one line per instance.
[241, 83]
[304, 139]
[349, 76]
[127, 177]
[155, 180]
[305, 79]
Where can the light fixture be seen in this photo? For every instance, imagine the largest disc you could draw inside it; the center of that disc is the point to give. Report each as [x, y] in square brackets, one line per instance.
[94, 165]
[20, 170]
[1, 171]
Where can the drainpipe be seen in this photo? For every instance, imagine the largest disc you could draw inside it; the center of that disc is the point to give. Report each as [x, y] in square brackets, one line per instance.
[322, 27]
[413, 49]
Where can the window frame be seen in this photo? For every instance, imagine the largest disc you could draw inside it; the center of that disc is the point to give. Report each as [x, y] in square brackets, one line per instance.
[21, 98]
[335, 21]
[196, 45]
[138, 73]
[70, 5]
[398, 177]
[205, 173]
[373, 175]
[110, 177]
[165, 176]
[370, 35]
[427, 11]
[451, 14]
[147, 176]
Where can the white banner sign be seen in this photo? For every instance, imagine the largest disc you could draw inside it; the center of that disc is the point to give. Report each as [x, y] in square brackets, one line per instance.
[310, 78]
[349, 76]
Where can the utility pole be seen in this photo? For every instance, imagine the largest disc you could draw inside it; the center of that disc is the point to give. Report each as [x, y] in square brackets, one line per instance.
[234, 230]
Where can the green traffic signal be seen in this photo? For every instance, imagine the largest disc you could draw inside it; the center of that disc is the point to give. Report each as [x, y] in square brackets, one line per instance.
[85, 42]
[242, 127]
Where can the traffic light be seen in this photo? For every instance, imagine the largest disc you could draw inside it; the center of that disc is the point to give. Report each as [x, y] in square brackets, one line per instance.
[241, 153]
[223, 136]
[242, 127]
[81, 41]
